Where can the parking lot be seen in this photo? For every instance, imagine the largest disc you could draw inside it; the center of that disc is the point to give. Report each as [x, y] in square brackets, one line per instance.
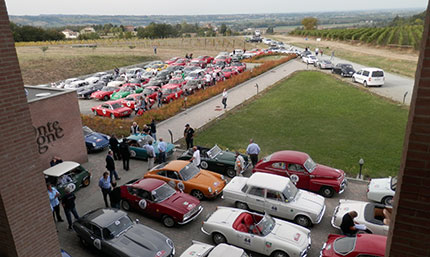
[91, 198]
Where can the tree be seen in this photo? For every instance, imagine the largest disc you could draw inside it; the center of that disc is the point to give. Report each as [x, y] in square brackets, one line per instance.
[270, 30]
[310, 23]
[223, 29]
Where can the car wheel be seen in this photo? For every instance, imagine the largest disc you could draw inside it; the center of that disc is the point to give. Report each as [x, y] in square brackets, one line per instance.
[105, 98]
[231, 173]
[84, 242]
[327, 192]
[241, 205]
[388, 200]
[168, 221]
[353, 79]
[218, 238]
[303, 221]
[125, 205]
[279, 254]
[332, 71]
[197, 194]
[319, 66]
[132, 153]
[204, 165]
[86, 182]
[95, 113]
[365, 84]
[342, 74]
[112, 116]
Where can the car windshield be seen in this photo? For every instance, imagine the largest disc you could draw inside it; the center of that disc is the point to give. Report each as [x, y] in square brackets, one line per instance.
[118, 227]
[116, 105]
[107, 89]
[162, 193]
[166, 91]
[310, 165]
[193, 75]
[180, 61]
[344, 245]
[393, 183]
[290, 191]
[189, 171]
[175, 81]
[326, 62]
[266, 224]
[129, 98]
[212, 153]
[87, 131]
[267, 158]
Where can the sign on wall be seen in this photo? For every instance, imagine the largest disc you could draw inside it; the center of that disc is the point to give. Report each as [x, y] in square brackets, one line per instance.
[47, 134]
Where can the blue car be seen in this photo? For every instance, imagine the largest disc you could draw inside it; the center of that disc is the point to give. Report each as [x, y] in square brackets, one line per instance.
[95, 141]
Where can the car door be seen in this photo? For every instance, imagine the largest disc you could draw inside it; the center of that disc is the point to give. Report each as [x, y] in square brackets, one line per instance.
[96, 238]
[298, 175]
[276, 205]
[255, 198]
[105, 110]
[365, 76]
[358, 77]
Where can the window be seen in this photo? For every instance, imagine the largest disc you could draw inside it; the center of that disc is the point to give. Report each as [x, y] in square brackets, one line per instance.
[162, 173]
[245, 188]
[296, 167]
[96, 230]
[105, 106]
[257, 191]
[273, 195]
[378, 74]
[172, 174]
[279, 165]
[366, 73]
[359, 72]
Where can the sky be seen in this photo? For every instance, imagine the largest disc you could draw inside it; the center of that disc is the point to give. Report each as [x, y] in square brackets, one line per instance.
[193, 7]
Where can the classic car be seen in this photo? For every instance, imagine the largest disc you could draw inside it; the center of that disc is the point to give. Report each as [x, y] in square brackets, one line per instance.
[309, 59]
[304, 172]
[112, 232]
[192, 86]
[95, 141]
[215, 159]
[87, 91]
[362, 245]
[198, 74]
[199, 249]
[189, 178]
[151, 92]
[67, 82]
[156, 198]
[180, 62]
[76, 84]
[277, 196]
[369, 77]
[78, 175]
[171, 92]
[172, 69]
[198, 63]
[137, 144]
[156, 67]
[126, 90]
[176, 81]
[162, 77]
[376, 217]
[118, 82]
[382, 190]
[343, 69]
[92, 80]
[205, 58]
[131, 100]
[259, 233]
[229, 72]
[171, 60]
[220, 65]
[223, 58]
[104, 93]
[113, 109]
[131, 73]
[324, 64]
[239, 66]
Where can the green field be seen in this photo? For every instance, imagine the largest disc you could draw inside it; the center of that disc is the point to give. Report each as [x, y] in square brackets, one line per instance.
[312, 112]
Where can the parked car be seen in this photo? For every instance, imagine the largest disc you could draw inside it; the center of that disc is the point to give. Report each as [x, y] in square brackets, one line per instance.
[259, 233]
[277, 196]
[192, 85]
[112, 232]
[198, 63]
[309, 59]
[205, 58]
[137, 146]
[382, 190]
[362, 245]
[131, 73]
[131, 100]
[223, 58]
[79, 176]
[162, 77]
[219, 64]
[239, 66]
[229, 72]
[113, 109]
[305, 53]
[185, 175]
[199, 249]
[170, 93]
[304, 172]
[67, 82]
[375, 216]
[215, 159]
[198, 74]
[343, 69]
[156, 198]
[151, 92]
[180, 62]
[76, 84]
[171, 60]
[324, 64]
[126, 90]
[86, 91]
[105, 93]
[95, 141]
[369, 77]
[176, 81]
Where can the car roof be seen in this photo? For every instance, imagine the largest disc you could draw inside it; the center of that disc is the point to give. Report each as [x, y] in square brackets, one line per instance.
[169, 86]
[148, 184]
[103, 217]
[176, 165]
[289, 156]
[266, 180]
[61, 168]
[372, 69]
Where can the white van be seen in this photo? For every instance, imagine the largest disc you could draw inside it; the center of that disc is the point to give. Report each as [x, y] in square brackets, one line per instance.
[369, 77]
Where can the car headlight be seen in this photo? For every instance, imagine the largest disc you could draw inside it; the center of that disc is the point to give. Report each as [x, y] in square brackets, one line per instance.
[94, 144]
[210, 189]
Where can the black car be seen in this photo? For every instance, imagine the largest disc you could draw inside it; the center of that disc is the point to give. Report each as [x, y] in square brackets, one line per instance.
[343, 69]
[163, 77]
[113, 233]
[86, 92]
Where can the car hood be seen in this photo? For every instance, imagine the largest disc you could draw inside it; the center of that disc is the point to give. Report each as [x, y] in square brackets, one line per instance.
[100, 93]
[226, 156]
[120, 94]
[289, 233]
[349, 70]
[180, 202]
[142, 241]
[309, 202]
[206, 178]
[95, 138]
[197, 250]
[322, 171]
[380, 184]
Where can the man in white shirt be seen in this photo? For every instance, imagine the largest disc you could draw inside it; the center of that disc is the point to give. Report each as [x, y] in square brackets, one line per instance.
[196, 156]
[151, 154]
[224, 98]
[239, 165]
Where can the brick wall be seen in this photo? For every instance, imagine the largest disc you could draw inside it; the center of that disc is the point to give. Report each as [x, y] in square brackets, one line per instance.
[408, 235]
[26, 224]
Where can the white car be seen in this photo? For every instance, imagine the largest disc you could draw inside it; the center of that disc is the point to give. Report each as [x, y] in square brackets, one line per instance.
[309, 59]
[92, 80]
[375, 216]
[76, 84]
[116, 83]
[67, 82]
[131, 73]
[382, 190]
[369, 77]
[199, 249]
[276, 195]
[259, 233]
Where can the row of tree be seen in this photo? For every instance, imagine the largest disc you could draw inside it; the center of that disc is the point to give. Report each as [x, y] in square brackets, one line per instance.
[30, 33]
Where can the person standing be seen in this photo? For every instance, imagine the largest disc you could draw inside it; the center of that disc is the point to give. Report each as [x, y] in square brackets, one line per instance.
[115, 196]
[347, 226]
[153, 129]
[224, 98]
[104, 184]
[162, 147]
[134, 129]
[253, 150]
[69, 206]
[155, 50]
[196, 156]
[124, 149]
[55, 160]
[159, 98]
[54, 195]
[110, 166]
[114, 146]
[150, 152]
[316, 51]
[239, 165]
[321, 52]
[189, 136]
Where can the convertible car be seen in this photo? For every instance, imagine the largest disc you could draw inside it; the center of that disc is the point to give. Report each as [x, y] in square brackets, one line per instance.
[95, 141]
[156, 198]
[362, 245]
[199, 249]
[376, 217]
[113, 233]
[259, 233]
[137, 146]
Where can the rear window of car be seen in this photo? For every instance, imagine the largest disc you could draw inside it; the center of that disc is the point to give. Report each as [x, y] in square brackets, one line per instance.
[344, 245]
[377, 74]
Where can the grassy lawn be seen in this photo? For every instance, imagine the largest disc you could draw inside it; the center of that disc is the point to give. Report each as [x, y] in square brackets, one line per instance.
[312, 112]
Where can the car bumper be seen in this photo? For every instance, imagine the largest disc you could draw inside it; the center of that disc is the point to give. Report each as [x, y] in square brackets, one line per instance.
[320, 216]
[192, 217]
[305, 253]
[333, 218]
[343, 185]
[205, 232]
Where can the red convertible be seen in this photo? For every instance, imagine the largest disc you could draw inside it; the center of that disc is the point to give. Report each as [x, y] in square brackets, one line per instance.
[207, 59]
[113, 109]
[104, 94]
[156, 198]
[359, 246]
[304, 172]
[171, 92]
[222, 58]
[239, 66]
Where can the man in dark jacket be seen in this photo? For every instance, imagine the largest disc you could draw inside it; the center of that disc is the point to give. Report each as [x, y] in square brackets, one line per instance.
[110, 166]
[114, 146]
[124, 149]
[153, 129]
[68, 202]
[115, 196]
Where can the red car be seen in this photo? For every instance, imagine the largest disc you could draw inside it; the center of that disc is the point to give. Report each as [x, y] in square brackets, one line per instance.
[131, 100]
[362, 245]
[229, 72]
[113, 109]
[151, 92]
[304, 172]
[171, 92]
[177, 81]
[222, 58]
[156, 198]
[172, 60]
[180, 62]
[198, 63]
[239, 66]
[207, 59]
[104, 94]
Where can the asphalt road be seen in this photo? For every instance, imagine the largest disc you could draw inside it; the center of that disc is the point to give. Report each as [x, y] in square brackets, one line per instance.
[91, 198]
